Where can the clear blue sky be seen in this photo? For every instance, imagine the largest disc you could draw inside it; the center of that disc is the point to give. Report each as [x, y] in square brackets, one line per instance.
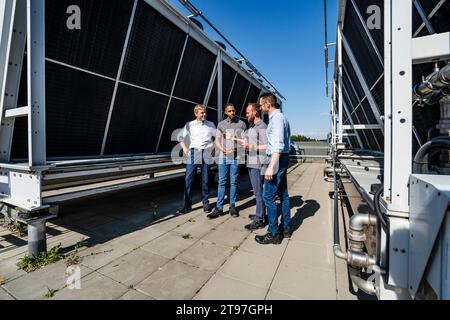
[284, 40]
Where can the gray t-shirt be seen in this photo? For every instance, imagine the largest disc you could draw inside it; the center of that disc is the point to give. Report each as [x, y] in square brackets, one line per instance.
[235, 128]
[256, 136]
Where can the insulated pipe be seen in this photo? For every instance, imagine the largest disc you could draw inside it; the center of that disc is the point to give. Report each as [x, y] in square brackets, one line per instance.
[433, 84]
[338, 252]
[440, 143]
[366, 286]
[357, 260]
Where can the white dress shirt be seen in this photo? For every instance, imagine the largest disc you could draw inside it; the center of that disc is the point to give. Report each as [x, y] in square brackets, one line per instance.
[201, 134]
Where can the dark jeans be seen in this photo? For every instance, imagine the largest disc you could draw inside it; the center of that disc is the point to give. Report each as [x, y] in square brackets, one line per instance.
[257, 181]
[197, 158]
[278, 186]
[227, 168]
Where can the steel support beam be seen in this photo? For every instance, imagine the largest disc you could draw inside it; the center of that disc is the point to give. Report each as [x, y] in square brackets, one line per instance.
[398, 102]
[219, 87]
[431, 48]
[362, 127]
[14, 30]
[36, 82]
[340, 81]
[211, 81]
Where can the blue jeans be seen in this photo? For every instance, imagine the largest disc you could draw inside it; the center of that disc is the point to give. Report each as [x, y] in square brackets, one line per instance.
[197, 158]
[257, 181]
[227, 168]
[278, 186]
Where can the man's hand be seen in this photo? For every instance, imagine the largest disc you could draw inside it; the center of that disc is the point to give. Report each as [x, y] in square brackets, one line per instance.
[186, 151]
[226, 151]
[269, 174]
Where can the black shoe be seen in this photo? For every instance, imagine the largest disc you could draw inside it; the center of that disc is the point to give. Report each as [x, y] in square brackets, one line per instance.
[184, 210]
[255, 225]
[207, 208]
[287, 234]
[234, 212]
[252, 217]
[215, 214]
[268, 239]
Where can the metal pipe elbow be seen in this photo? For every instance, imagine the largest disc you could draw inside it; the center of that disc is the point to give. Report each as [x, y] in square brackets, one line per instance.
[339, 253]
[366, 286]
[360, 260]
[359, 221]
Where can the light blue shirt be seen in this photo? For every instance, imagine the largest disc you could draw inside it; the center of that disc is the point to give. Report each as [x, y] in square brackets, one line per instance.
[278, 134]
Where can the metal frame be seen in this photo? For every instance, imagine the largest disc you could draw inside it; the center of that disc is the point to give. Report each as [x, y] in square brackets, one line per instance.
[119, 75]
[401, 52]
[340, 39]
[362, 80]
[14, 30]
[398, 102]
[24, 187]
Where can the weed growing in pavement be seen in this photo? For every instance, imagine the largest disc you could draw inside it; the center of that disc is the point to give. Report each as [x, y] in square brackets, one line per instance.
[30, 264]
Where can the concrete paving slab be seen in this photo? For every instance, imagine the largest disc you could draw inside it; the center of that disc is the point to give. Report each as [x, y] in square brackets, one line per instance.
[91, 222]
[310, 254]
[250, 268]
[93, 287]
[135, 295]
[133, 267]
[9, 270]
[222, 235]
[305, 282]
[175, 281]
[205, 255]
[103, 254]
[274, 252]
[197, 228]
[139, 238]
[277, 296]
[224, 288]
[169, 245]
[5, 295]
[33, 286]
[313, 232]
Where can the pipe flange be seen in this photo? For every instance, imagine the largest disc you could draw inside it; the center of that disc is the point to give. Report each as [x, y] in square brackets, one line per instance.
[357, 236]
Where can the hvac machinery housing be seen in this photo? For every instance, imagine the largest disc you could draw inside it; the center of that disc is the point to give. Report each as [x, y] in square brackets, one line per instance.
[93, 110]
[391, 139]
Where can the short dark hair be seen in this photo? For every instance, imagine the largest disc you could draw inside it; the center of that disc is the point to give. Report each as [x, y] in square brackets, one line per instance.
[256, 107]
[229, 105]
[271, 98]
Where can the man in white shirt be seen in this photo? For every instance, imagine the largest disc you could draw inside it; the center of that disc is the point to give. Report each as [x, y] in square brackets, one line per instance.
[201, 133]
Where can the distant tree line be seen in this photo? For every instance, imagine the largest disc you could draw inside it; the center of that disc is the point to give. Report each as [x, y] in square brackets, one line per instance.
[301, 138]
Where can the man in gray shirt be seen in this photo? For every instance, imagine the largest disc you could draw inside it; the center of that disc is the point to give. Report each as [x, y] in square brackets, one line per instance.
[256, 145]
[228, 131]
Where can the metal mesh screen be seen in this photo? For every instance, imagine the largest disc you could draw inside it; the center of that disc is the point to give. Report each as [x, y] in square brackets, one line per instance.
[145, 111]
[195, 73]
[77, 111]
[239, 93]
[180, 113]
[154, 51]
[93, 47]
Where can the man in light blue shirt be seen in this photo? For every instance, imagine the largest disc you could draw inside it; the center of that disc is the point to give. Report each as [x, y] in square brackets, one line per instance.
[278, 148]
